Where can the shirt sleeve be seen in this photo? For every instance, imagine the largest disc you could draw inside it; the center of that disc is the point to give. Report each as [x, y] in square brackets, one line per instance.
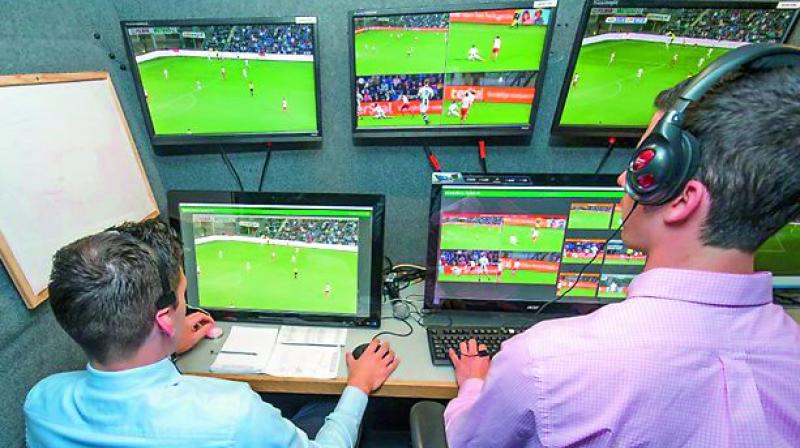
[500, 411]
[263, 426]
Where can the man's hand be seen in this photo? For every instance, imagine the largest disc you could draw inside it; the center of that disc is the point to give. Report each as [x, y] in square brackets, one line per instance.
[372, 368]
[196, 327]
[470, 364]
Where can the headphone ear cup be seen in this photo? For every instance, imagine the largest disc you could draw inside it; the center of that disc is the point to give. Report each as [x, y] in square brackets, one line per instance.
[645, 174]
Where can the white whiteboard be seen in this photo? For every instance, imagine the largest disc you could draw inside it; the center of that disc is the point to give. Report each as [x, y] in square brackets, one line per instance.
[68, 168]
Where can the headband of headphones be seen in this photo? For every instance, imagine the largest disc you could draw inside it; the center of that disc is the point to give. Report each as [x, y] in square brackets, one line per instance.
[667, 159]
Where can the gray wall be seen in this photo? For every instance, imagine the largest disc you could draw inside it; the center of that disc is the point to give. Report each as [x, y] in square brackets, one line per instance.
[55, 36]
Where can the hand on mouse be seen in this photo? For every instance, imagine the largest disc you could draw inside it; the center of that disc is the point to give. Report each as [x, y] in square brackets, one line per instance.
[196, 327]
[470, 364]
[372, 368]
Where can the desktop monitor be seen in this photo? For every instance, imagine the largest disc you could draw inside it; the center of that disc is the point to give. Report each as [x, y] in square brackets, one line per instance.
[628, 51]
[226, 80]
[510, 242]
[282, 257]
[459, 71]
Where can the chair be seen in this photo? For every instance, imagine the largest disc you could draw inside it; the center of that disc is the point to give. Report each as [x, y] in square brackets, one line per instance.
[427, 425]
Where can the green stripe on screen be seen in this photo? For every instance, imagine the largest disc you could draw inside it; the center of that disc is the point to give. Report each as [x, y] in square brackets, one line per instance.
[276, 212]
[502, 193]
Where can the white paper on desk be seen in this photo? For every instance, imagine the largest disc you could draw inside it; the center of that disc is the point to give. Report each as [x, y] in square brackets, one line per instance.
[312, 336]
[247, 350]
[306, 361]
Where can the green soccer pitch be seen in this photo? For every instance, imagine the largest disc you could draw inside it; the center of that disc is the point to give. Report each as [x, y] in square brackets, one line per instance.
[610, 295]
[225, 105]
[610, 95]
[624, 262]
[522, 277]
[382, 52]
[479, 113]
[582, 219]
[779, 254]
[270, 284]
[578, 292]
[489, 237]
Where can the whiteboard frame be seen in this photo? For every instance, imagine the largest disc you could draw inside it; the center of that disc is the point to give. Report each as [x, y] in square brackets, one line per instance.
[33, 298]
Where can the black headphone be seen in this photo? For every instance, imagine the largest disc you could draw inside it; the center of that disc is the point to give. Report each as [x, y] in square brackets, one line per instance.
[668, 158]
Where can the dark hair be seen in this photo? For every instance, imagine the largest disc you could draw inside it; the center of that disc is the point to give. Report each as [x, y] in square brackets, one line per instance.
[163, 241]
[747, 126]
[103, 290]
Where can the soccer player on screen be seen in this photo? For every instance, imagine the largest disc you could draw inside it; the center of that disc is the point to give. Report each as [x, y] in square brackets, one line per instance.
[252, 88]
[274, 255]
[359, 99]
[515, 267]
[674, 59]
[639, 74]
[517, 18]
[710, 50]
[499, 271]
[327, 290]
[406, 106]
[198, 85]
[166, 74]
[534, 234]
[474, 55]
[466, 102]
[700, 63]
[454, 110]
[611, 57]
[244, 72]
[425, 94]
[496, 47]
[222, 73]
[378, 112]
[513, 240]
[483, 266]
[671, 37]
[284, 104]
[575, 78]
[295, 272]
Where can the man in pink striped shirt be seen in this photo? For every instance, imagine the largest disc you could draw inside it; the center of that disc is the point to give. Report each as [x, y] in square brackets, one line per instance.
[697, 355]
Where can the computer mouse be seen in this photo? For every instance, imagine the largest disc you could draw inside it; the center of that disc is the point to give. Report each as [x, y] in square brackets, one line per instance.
[214, 333]
[358, 351]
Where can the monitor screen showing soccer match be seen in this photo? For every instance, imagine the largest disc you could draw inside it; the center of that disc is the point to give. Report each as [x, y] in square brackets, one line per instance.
[448, 69]
[530, 243]
[205, 79]
[278, 259]
[628, 55]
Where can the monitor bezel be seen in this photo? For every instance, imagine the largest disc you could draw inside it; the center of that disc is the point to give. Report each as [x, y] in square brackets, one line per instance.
[205, 143]
[513, 130]
[518, 306]
[376, 201]
[580, 133]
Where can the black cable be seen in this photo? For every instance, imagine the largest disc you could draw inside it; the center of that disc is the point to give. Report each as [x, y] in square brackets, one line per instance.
[231, 168]
[575, 283]
[612, 141]
[391, 333]
[264, 168]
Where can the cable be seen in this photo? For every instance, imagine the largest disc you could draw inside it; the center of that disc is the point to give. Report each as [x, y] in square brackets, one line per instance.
[432, 160]
[612, 141]
[391, 333]
[391, 265]
[575, 283]
[482, 155]
[231, 168]
[265, 165]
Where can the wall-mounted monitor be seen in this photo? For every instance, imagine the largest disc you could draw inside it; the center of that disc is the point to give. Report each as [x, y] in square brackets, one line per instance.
[449, 71]
[203, 82]
[628, 51]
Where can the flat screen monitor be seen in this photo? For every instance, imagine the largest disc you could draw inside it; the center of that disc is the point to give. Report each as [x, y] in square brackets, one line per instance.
[509, 242]
[628, 51]
[226, 81]
[282, 257]
[466, 71]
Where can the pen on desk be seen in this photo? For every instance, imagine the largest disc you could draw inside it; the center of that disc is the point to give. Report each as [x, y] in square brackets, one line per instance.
[231, 352]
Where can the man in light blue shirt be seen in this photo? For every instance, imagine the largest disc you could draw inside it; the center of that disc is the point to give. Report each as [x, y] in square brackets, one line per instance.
[120, 295]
